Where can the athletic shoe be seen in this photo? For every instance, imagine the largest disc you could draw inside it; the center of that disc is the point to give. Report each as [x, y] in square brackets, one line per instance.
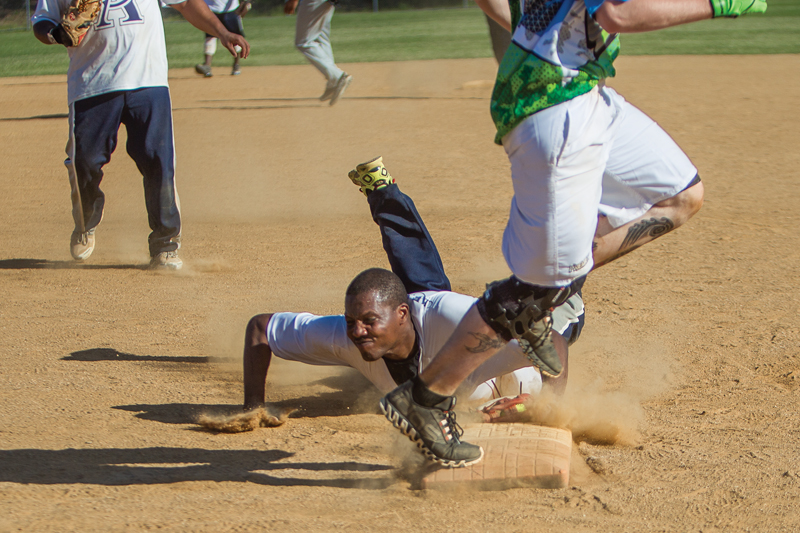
[166, 261]
[328, 94]
[81, 245]
[537, 343]
[340, 87]
[505, 409]
[203, 69]
[433, 429]
[237, 69]
[371, 176]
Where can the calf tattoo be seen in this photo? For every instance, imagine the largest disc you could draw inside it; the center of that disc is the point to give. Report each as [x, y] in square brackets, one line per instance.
[655, 227]
[485, 343]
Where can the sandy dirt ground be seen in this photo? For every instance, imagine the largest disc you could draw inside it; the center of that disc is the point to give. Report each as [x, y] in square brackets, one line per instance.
[688, 364]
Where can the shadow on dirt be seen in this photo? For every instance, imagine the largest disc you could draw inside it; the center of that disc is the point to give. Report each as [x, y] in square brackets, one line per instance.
[36, 264]
[338, 403]
[353, 394]
[110, 354]
[38, 117]
[147, 466]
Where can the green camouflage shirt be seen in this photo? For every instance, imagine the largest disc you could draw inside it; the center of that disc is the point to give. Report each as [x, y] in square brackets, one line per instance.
[557, 52]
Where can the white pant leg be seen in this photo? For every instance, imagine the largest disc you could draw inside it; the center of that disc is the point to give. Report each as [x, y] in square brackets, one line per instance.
[558, 157]
[645, 166]
[312, 36]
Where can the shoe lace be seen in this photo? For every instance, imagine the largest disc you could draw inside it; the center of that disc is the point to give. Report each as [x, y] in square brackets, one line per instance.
[450, 422]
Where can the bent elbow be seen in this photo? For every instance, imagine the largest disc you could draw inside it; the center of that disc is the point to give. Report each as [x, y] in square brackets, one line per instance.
[615, 17]
[610, 20]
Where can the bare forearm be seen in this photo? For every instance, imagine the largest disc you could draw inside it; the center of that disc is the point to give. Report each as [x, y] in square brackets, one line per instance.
[498, 10]
[257, 356]
[636, 16]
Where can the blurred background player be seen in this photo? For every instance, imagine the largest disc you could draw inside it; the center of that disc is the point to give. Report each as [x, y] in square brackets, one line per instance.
[313, 39]
[229, 13]
[395, 322]
[118, 75]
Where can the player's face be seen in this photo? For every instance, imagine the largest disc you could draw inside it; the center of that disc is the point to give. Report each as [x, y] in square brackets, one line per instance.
[376, 328]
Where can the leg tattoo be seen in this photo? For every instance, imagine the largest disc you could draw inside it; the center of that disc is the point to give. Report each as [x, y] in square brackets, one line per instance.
[645, 230]
[485, 343]
[655, 227]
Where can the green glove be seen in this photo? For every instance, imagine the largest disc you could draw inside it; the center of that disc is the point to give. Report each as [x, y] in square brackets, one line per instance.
[734, 8]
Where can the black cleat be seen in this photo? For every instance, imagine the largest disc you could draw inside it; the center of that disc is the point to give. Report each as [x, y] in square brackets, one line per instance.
[433, 429]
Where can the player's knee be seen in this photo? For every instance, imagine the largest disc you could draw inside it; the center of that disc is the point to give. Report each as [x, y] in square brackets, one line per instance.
[689, 201]
[506, 300]
[694, 197]
[210, 46]
[685, 204]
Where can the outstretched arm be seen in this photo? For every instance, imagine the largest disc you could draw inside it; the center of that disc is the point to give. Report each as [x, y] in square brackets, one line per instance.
[257, 356]
[199, 16]
[636, 16]
[632, 16]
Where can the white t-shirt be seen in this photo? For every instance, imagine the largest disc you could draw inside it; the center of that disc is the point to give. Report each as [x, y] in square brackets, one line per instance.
[123, 50]
[222, 6]
[322, 340]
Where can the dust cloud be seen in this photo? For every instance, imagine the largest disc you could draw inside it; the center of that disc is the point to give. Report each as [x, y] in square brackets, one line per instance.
[592, 414]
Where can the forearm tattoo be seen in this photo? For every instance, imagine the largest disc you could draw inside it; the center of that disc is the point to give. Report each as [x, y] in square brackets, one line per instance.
[485, 343]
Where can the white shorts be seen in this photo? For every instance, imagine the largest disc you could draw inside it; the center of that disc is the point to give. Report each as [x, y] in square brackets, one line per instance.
[595, 154]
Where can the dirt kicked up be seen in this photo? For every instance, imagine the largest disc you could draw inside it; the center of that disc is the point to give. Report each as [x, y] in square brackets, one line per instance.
[692, 343]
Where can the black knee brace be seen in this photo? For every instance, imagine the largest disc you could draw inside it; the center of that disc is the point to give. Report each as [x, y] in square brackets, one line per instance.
[511, 306]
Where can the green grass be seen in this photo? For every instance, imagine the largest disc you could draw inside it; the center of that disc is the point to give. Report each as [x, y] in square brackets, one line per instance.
[426, 34]
[357, 37]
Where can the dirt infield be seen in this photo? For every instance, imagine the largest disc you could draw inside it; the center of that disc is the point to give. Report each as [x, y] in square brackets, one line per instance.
[691, 348]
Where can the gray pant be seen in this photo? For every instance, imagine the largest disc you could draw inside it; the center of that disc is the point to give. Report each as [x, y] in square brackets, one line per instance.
[313, 36]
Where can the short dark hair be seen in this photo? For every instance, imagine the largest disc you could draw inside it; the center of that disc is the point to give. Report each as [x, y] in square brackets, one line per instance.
[385, 284]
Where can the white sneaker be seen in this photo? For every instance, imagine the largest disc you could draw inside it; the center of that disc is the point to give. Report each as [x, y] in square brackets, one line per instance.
[81, 245]
[340, 87]
[166, 261]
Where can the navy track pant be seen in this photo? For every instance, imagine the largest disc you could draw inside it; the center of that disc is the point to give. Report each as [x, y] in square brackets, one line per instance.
[94, 125]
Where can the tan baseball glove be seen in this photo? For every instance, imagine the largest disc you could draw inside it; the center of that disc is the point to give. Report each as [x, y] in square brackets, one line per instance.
[76, 22]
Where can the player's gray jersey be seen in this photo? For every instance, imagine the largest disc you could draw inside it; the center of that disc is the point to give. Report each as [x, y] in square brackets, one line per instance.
[123, 50]
[322, 340]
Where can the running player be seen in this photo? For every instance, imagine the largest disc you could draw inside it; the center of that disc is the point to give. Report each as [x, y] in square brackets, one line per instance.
[118, 75]
[394, 322]
[229, 13]
[313, 39]
[577, 149]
